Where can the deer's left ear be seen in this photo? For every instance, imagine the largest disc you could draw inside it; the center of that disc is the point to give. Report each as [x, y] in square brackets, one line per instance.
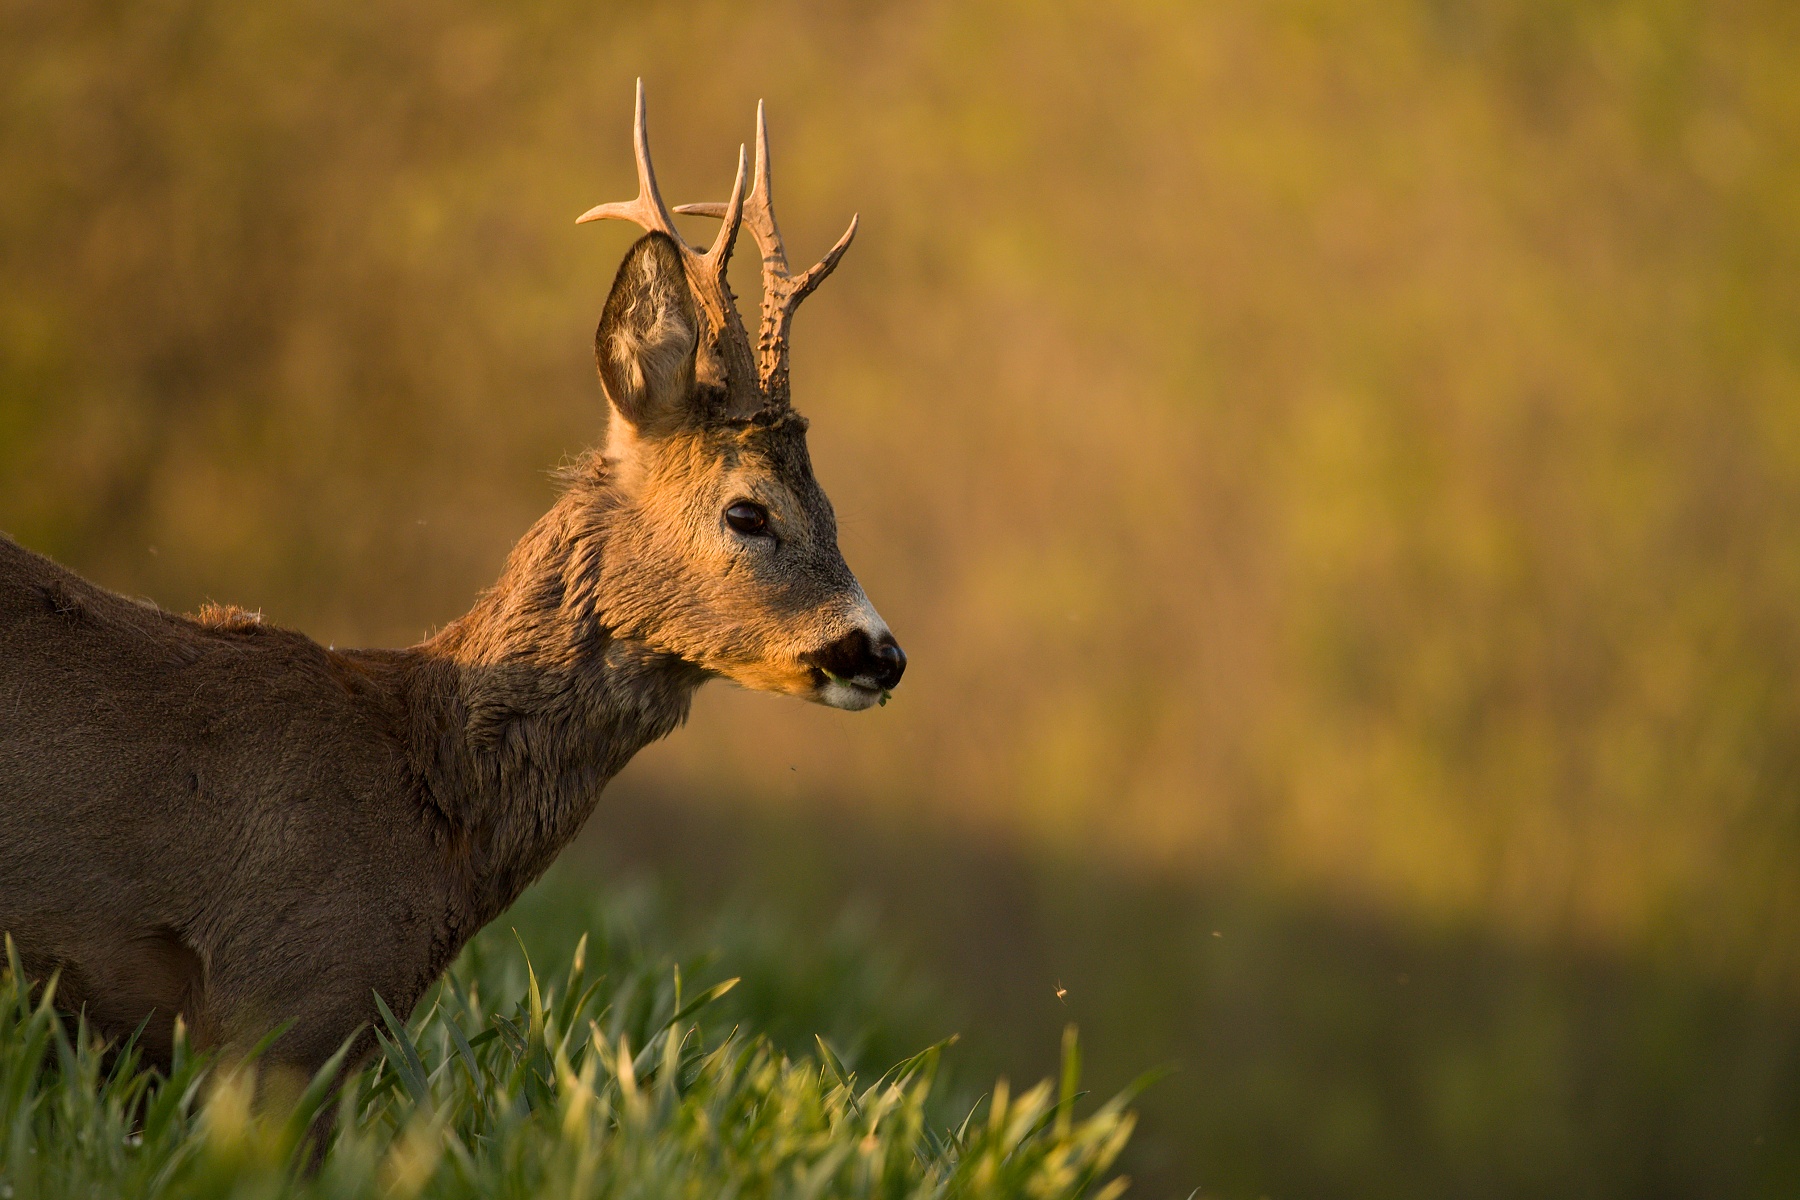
[648, 334]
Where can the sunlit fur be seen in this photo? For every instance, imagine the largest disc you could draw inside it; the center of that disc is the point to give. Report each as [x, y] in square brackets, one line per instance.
[678, 578]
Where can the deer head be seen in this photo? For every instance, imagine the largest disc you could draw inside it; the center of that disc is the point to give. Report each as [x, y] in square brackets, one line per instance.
[721, 546]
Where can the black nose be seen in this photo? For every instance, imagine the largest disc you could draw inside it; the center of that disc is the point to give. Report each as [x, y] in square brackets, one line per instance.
[890, 662]
[857, 656]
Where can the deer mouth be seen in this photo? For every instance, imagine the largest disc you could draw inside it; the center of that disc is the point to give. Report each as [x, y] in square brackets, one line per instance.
[840, 692]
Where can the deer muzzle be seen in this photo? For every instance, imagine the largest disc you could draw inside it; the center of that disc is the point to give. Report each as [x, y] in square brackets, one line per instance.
[858, 669]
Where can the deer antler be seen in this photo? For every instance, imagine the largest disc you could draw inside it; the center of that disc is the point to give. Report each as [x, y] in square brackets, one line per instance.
[649, 211]
[782, 290]
[706, 271]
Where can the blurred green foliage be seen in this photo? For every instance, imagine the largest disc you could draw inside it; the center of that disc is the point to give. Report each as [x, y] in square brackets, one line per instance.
[1348, 447]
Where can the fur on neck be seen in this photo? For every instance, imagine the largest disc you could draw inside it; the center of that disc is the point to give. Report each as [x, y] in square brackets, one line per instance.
[527, 705]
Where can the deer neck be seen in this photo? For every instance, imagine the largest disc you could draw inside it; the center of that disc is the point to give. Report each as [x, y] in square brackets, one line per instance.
[531, 703]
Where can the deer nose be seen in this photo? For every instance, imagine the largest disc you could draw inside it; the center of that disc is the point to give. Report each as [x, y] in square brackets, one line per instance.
[875, 661]
[890, 662]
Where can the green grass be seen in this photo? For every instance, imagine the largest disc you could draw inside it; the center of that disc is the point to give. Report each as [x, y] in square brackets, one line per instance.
[611, 1076]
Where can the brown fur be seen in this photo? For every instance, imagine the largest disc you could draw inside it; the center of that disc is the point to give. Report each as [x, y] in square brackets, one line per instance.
[219, 818]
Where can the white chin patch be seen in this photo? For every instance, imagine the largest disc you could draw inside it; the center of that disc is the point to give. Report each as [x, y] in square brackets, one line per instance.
[841, 693]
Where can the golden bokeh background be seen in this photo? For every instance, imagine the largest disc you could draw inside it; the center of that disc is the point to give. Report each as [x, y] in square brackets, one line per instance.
[1335, 469]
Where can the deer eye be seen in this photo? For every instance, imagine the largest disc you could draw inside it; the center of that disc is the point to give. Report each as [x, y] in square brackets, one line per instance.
[749, 519]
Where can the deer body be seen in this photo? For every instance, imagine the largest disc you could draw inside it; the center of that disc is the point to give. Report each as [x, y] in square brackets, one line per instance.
[221, 818]
[215, 818]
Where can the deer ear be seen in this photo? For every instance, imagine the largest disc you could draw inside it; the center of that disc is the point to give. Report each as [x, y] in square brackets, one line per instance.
[647, 338]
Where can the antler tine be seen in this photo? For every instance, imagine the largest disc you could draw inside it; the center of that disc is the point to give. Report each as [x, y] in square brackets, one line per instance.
[782, 291]
[718, 256]
[648, 209]
[762, 218]
[815, 274]
[759, 211]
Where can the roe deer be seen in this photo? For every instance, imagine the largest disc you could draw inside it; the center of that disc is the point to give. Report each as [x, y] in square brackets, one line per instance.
[213, 818]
